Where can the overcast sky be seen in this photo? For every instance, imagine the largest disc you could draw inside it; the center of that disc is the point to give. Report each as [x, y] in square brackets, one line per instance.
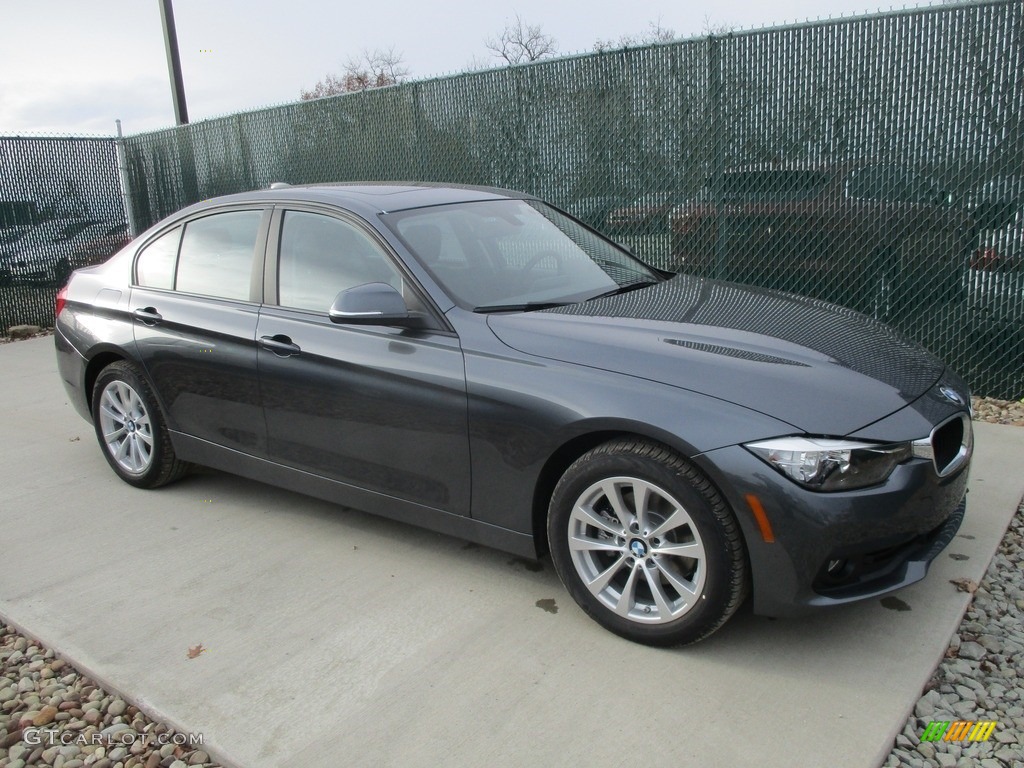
[73, 66]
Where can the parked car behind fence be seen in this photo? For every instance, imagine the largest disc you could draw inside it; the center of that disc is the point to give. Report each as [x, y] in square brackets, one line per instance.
[996, 276]
[648, 213]
[48, 252]
[875, 237]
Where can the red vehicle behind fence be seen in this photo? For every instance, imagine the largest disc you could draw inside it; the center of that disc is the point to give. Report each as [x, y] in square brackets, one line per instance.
[862, 235]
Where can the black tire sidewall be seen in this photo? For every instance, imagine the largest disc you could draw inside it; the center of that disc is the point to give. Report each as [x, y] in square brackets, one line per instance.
[714, 604]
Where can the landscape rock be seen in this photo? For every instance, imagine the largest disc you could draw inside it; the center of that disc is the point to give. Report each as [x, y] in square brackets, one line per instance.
[23, 331]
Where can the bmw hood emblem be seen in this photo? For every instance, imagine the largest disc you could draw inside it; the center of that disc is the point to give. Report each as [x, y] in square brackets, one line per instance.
[951, 394]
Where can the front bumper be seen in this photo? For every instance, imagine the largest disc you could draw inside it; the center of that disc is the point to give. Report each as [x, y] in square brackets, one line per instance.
[834, 548]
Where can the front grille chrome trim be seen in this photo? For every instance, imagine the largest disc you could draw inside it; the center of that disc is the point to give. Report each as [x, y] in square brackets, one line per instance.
[925, 448]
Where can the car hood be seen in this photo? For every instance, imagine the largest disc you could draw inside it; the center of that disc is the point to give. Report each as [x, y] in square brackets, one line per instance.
[822, 368]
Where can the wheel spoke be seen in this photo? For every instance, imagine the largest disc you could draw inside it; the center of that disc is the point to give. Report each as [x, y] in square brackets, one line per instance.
[628, 596]
[603, 579]
[145, 452]
[583, 543]
[692, 549]
[594, 519]
[111, 406]
[675, 520]
[641, 499]
[122, 449]
[660, 598]
[108, 411]
[136, 403]
[681, 585]
[111, 437]
[136, 454]
[613, 492]
[124, 395]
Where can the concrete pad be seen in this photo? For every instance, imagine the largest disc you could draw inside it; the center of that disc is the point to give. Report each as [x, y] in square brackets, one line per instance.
[336, 638]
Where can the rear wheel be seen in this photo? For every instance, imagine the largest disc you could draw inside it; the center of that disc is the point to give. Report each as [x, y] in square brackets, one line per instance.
[645, 545]
[131, 429]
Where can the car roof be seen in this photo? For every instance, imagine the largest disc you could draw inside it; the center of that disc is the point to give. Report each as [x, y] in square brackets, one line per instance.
[370, 197]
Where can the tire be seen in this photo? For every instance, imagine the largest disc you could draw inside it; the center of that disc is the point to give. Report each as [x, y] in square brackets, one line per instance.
[131, 428]
[641, 584]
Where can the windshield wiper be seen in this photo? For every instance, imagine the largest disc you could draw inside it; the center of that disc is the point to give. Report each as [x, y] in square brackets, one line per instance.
[529, 306]
[626, 288]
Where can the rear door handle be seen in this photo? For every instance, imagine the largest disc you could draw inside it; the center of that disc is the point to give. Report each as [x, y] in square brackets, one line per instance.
[148, 315]
[280, 345]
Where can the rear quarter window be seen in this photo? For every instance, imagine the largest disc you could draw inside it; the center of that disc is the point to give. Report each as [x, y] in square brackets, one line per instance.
[771, 186]
[155, 265]
[892, 184]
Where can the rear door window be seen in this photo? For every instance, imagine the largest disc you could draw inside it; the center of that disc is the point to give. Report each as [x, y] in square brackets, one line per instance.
[217, 255]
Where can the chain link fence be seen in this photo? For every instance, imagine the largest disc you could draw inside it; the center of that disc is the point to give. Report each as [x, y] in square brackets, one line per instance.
[875, 162]
[60, 208]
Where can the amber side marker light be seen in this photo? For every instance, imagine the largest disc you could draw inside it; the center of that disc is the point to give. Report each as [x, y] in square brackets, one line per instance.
[762, 519]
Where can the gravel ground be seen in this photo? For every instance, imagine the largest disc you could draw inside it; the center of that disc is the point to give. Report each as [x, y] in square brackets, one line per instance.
[22, 332]
[999, 411]
[982, 675]
[44, 699]
[51, 714]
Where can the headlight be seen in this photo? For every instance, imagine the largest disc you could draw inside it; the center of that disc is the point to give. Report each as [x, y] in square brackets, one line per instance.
[823, 464]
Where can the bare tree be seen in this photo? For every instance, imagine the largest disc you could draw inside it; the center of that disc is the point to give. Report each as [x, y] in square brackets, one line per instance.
[716, 28]
[519, 43]
[476, 63]
[655, 33]
[370, 69]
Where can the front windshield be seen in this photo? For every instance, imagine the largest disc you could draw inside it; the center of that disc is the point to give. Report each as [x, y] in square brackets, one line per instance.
[514, 254]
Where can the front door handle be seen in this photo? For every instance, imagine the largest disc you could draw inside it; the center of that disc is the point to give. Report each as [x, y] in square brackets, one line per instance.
[280, 345]
[148, 315]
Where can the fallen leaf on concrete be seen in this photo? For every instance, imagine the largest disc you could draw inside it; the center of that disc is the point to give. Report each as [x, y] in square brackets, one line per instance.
[964, 585]
[195, 650]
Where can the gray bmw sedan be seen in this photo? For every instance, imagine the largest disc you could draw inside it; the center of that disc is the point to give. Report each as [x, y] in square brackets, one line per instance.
[476, 362]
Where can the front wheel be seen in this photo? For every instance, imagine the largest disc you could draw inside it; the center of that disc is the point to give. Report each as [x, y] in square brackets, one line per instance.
[645, 544]
[131, 429]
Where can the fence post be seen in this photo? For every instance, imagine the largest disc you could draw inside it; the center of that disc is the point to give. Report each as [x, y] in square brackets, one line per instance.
[718, 154]
[122, 175]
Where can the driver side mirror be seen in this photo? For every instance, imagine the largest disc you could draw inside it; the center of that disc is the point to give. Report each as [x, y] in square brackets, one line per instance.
[370, 304]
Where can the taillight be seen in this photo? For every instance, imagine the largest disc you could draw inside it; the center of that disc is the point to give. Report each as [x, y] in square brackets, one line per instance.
[686, 224]
[61, 300]
[688, 219]
[986, 258]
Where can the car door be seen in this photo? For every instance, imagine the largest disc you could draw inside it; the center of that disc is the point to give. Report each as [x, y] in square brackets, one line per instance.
[195, 304]
[380, 408]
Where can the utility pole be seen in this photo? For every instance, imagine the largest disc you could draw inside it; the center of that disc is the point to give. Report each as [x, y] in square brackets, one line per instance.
[173, 62]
